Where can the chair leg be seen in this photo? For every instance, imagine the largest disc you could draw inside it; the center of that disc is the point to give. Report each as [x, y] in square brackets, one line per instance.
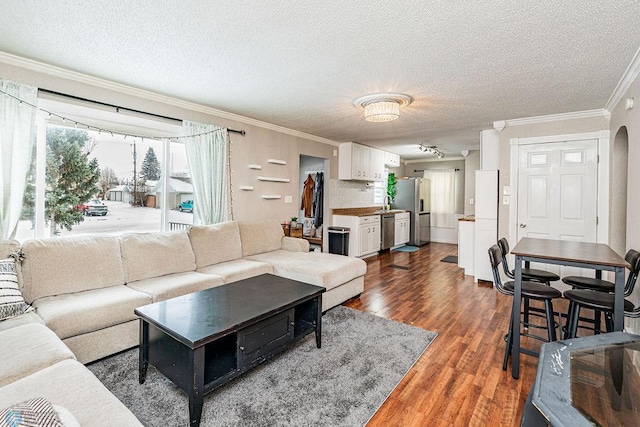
[608, 320]
[567, 325]
[509, 343]
[551, 328]
[596, 321]
[526, 312]
[575, 317]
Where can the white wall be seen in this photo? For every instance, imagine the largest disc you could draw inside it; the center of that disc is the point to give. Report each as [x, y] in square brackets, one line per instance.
[630, 118]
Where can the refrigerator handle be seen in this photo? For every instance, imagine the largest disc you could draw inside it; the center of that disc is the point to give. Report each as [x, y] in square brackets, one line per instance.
[421, 205]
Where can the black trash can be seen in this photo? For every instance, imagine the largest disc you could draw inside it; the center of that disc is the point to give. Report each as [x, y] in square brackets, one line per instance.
[339, 240]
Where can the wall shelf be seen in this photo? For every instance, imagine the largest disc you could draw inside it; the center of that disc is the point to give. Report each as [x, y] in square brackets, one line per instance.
[271, 196]
[246, 187]
[277, 162]
[255, 166]
[273, 179]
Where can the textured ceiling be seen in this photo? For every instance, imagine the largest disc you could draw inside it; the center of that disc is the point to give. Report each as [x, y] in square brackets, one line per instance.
[301, 64]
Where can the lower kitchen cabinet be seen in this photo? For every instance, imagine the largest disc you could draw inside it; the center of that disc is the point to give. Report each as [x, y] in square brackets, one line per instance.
[364, 238]
[402, 229]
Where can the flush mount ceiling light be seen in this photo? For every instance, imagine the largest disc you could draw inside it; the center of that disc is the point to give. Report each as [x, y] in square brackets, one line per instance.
[382, 107]
[431, 149]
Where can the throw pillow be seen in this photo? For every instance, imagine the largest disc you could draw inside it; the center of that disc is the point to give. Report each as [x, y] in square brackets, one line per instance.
[35, 412]
[12, 303]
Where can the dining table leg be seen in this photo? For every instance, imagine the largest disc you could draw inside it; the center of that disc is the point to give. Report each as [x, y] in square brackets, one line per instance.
[618, 305]
[517, 298]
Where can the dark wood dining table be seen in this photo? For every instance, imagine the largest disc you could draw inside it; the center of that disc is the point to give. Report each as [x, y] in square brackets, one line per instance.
[597, 256]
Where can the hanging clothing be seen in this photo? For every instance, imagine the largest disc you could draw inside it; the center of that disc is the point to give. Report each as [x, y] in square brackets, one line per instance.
[318, 205]
[307, 197]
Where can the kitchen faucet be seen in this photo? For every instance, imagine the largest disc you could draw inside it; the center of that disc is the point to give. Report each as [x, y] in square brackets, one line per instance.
[386, 202]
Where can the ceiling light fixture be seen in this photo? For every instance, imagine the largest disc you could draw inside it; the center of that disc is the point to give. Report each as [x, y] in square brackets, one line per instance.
[382, 107]
[431, 149]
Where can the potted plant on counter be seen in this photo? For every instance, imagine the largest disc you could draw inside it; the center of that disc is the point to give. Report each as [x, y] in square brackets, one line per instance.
[294, 222]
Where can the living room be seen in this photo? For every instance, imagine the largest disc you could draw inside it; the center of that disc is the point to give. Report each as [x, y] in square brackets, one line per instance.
[554, 91]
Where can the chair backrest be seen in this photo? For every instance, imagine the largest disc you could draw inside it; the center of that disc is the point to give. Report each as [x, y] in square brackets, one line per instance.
[495, 258]
[503, 245]
[633, 258]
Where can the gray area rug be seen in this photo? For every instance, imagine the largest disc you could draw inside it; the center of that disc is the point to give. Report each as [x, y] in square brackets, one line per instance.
[362, 359]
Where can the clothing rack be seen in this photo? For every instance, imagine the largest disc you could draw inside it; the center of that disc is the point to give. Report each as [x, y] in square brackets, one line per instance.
[312, 172]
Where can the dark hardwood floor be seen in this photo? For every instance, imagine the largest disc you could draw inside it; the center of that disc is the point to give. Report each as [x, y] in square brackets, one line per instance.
[459, 379]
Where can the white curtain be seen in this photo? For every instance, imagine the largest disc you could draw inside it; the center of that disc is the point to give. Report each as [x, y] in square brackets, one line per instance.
[443, 197]
[208, 160]
[17, 139]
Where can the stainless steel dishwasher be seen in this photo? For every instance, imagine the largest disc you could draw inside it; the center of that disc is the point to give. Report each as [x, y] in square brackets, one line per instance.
[388, 231]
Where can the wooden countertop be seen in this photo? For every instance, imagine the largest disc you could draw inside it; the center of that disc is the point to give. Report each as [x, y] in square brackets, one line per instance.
[373, 210]
[468, 218]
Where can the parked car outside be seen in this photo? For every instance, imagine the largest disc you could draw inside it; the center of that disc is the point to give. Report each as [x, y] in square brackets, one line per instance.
[95, 207]
[186, 206]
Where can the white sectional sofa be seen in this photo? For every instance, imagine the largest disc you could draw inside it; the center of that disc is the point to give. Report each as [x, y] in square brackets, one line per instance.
[84, 290]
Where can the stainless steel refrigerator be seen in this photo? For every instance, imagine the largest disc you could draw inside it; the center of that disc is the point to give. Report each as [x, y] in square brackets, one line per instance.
[414, 195]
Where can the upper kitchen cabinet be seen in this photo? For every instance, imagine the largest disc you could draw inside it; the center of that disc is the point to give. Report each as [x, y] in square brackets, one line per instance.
[391, 159]
[377, 164]
[361, 163]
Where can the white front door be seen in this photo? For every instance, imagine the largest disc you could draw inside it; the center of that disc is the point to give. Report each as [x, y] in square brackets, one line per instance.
[557, 191]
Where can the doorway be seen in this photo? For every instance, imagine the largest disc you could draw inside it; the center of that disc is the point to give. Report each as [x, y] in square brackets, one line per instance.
[619, 183]
[311, 199]
[557, 191]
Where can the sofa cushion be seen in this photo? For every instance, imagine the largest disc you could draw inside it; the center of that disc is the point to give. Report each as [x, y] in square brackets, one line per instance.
[23, 319]
[174, 285]
[215, 243]
[27, 349]
[71, 385]
[70, 264]
[146, 255]
[315, 268]
[260, 237]
[232, 271]
[11, 301]
[36, 412]
[96, 309]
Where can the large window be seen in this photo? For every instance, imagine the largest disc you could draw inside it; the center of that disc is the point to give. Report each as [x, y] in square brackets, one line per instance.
[92, 180]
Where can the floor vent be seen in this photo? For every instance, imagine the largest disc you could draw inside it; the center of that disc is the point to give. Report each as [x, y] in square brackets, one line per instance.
[401, 267]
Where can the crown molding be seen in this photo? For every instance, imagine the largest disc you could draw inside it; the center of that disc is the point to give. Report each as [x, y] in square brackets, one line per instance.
[625, 82]
[553, 118]
[63, 73]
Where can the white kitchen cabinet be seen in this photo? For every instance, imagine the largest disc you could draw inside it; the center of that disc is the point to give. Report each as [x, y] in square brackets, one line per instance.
[369, 235]
[361, 163]
[364, 236]
[391, 159]
[377, 164]
[466, 245]
[401, 229]
[354, 162]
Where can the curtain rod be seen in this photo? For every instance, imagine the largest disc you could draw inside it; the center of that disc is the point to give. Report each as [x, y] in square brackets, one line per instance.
[117, 107]
[422, 170]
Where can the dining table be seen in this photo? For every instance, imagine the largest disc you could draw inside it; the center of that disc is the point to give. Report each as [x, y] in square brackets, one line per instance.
[597, 256]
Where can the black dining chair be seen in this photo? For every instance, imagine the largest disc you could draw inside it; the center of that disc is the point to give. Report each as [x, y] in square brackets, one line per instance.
[602, 301]
[530, 290]
[598, 284]
[531, 274]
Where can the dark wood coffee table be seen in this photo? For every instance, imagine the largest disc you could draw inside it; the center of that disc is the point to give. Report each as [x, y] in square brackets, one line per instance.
[204, 339]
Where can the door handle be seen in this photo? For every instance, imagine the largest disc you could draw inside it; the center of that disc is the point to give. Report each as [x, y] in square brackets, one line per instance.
[523, 225]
